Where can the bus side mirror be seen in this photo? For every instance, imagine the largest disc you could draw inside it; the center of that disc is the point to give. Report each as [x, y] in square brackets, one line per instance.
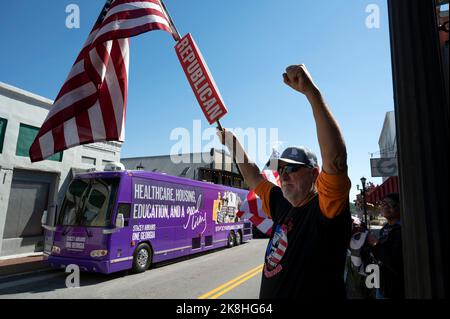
[44, 218]
[120, 221]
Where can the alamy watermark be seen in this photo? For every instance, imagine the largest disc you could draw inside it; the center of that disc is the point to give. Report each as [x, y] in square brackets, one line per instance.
[373, 276]
[73, 18]
[259, 143]
[73, 280]
[373, 19]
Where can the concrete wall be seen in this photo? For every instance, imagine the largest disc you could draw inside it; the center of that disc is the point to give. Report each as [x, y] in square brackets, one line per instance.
[387, 141]
[19, 106]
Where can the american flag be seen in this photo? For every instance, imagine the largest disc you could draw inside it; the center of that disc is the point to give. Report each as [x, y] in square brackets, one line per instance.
[91, 104]
[252, 210]
[278, 247]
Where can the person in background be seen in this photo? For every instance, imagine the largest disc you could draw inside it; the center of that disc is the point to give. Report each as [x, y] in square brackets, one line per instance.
[387, 250]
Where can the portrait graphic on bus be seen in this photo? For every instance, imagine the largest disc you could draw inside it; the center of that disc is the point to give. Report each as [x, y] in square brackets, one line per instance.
[225, 207]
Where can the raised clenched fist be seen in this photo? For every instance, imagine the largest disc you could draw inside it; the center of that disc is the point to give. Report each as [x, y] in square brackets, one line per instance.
[298, 78]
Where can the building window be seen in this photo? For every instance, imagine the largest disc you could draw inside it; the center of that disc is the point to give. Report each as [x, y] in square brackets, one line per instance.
[88, 160]
[27, 134]
[3, 123]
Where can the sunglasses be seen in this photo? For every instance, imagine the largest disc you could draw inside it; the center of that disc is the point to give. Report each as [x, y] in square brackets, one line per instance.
[289, 168]
[386, 204]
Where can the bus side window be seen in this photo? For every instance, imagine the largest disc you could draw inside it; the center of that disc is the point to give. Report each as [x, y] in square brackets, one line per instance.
[125, 210]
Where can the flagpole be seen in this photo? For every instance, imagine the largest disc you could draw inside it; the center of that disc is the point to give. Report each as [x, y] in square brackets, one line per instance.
[219, 126]
[177, 37]
[176, 34]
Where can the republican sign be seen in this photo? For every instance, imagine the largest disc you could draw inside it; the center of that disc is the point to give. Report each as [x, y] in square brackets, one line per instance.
[200, 79]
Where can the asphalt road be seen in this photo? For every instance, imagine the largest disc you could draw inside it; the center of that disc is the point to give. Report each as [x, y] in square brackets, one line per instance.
[226, 273]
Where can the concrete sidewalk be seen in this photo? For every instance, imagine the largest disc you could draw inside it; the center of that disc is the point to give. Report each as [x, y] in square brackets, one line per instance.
[18, 265]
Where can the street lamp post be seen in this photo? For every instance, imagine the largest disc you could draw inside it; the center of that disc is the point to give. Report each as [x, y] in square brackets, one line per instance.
[363, 182]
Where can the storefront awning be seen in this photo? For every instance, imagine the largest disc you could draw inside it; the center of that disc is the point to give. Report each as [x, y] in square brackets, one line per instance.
[379, 192]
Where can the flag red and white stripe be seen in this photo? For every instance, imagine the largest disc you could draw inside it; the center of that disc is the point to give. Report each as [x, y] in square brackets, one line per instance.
[91, 104]
[252, 210]
[276, 256]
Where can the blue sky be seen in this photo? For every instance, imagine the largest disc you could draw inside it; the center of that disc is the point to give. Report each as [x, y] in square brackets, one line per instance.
[247, 45]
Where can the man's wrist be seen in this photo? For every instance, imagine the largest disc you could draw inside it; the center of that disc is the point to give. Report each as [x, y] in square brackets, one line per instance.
[314, 92]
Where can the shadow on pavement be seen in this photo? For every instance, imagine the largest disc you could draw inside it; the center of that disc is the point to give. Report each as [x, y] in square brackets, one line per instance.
[55, 279]
[51, 280]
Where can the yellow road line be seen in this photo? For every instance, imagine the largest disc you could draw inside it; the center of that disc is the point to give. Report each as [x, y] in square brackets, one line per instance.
[231, 284]
[236, 284]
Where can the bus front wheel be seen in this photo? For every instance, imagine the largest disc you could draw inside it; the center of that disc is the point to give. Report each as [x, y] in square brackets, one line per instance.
[142, 258]
[231, 240]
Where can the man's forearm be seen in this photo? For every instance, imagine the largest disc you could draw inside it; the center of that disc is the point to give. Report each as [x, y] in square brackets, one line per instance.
[332, 146]
[331, 141]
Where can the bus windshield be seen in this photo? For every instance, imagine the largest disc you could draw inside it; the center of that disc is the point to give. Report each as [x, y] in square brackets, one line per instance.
[89, 202]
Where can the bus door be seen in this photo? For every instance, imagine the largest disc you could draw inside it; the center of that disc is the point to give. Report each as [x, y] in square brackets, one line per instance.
[121, 241]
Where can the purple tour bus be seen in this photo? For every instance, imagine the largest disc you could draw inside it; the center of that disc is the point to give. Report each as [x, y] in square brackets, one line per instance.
[116, 220]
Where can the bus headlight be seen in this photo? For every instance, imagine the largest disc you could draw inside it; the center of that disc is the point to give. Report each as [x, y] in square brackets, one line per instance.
[99, 253]
[56, 250]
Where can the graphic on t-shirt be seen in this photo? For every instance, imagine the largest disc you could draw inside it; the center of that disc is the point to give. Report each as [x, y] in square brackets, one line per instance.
[277, 247]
